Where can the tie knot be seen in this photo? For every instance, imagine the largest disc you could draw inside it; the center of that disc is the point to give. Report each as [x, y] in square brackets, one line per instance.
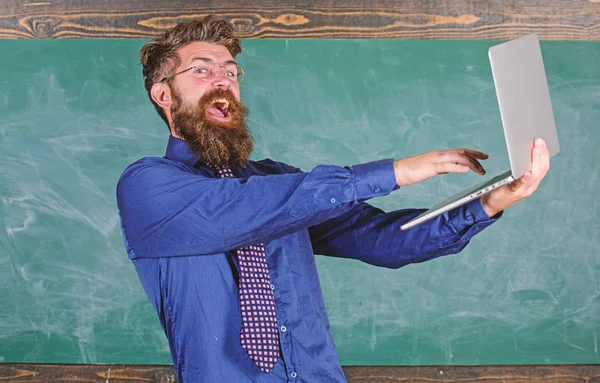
[222, 172]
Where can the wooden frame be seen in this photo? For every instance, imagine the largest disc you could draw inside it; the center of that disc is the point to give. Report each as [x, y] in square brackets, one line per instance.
[354, 374]
[409, 19]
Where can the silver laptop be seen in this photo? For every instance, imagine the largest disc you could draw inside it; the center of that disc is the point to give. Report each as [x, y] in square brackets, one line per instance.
[526, 112]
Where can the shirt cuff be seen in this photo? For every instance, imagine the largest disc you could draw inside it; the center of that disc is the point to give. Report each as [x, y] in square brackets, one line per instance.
[374, 179]
[471, 218]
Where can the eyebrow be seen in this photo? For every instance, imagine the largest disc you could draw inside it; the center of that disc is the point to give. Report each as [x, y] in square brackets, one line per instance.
[211, 61]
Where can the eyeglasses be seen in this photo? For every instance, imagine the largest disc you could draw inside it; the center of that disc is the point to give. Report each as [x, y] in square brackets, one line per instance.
[208, 71]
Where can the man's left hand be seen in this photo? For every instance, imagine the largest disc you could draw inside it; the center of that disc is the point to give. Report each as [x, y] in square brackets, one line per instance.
[501, 198]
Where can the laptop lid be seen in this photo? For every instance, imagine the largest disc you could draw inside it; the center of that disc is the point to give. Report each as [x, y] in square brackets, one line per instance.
[524, 99]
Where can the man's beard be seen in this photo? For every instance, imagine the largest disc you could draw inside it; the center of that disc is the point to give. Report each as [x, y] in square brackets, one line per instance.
[221, 143]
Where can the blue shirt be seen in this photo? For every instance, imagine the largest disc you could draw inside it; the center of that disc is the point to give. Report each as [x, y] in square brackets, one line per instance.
[181, 225]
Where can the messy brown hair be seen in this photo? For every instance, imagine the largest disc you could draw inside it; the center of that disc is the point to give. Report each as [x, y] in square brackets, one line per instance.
[159, 56]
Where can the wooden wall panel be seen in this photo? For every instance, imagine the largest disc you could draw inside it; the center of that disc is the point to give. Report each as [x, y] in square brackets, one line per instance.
[355, 374]
[414, 19]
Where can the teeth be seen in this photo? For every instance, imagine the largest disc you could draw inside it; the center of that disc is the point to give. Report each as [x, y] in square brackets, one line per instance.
[222, 101]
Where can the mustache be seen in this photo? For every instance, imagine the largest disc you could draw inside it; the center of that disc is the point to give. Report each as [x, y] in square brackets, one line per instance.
[220, 94]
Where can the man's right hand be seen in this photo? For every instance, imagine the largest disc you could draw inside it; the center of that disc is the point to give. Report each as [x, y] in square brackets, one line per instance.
[419, 168]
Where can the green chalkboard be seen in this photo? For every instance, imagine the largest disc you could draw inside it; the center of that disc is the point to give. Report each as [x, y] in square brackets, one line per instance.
[74, 114]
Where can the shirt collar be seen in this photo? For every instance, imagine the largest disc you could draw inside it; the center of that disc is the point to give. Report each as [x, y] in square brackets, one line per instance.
[178, 150]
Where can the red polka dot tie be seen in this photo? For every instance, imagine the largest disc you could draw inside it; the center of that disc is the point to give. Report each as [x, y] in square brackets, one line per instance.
[259, 335]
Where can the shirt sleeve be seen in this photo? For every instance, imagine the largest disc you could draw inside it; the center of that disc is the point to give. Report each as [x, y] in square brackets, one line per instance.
[167, 211]
[368, 234]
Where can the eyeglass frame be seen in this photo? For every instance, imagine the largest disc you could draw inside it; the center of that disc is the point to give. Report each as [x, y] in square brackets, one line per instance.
[243, 71]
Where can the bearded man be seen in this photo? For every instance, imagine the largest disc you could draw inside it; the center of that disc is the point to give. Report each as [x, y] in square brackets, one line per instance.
[224, 246]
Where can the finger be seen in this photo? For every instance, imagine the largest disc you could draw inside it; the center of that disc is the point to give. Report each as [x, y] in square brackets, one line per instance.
[540, 164]
[476, 154]
[451, 167]
[536, 163]
[546, 158]
[477, 163]
[463, 159]
[540, 143]
[519, 183]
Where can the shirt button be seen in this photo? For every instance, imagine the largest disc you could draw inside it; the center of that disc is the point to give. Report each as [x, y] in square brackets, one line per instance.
[283, 329]
[377, 189]
[332, 200]
[293, 375]
[272, 287]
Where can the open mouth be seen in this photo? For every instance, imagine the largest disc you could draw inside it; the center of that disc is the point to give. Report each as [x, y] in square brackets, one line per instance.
[219, 109]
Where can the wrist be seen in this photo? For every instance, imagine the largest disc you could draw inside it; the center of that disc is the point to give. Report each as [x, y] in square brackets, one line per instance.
[488, 205]
[397, 173]
[400, 173]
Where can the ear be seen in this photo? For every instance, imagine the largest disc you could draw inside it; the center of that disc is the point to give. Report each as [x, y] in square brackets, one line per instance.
[161, 94]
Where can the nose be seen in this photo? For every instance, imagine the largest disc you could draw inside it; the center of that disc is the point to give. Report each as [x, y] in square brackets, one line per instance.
[221, 80]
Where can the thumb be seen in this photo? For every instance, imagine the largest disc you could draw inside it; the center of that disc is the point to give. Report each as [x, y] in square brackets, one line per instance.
[518, 184]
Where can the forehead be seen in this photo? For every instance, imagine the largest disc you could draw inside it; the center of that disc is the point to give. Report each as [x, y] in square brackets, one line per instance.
[215, 52]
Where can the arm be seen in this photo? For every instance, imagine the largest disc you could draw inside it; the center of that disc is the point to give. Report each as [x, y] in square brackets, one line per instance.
[368, 234]
[372, 236]
[167, 211]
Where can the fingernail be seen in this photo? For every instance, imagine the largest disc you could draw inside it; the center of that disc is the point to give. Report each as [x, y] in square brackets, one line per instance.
[543, 143]
[538, 151]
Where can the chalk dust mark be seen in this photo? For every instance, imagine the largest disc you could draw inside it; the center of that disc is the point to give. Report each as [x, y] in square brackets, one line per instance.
[28, 220]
